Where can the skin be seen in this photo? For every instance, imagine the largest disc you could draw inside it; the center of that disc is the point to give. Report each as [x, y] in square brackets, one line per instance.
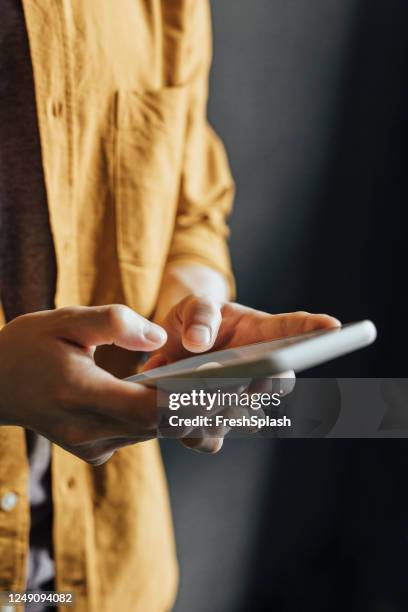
[49, 382]
[199, 322]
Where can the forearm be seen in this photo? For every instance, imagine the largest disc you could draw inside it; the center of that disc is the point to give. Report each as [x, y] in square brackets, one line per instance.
[181, 280]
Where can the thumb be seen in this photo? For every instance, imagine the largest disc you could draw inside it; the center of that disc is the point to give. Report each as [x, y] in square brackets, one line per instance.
[111, 324]
[201, 319]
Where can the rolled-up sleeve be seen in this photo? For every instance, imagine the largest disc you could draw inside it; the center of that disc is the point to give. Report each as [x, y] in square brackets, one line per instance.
[207, 187]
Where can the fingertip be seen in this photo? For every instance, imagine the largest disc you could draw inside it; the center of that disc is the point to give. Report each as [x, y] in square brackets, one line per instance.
[201, 318]
[156, 361]
[131, 331]
[208, 446]
[197, 338]
[331, 321]
[155, 335]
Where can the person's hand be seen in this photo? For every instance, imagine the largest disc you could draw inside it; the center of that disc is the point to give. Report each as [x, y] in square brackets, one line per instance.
[49, 382]
[198, 324]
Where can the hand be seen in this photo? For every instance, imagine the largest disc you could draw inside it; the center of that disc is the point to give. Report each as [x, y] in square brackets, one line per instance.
[199, 324]
[50, 383]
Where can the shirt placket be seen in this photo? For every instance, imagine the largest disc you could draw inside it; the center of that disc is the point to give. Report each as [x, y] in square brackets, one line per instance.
[14, 509]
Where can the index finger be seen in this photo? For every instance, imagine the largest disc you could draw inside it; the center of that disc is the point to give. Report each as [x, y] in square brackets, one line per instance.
[294, 323]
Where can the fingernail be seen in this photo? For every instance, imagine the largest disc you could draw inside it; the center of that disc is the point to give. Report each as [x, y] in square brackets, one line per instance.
[336, 321]
[198, 334]
[154, 334]
[324, 314]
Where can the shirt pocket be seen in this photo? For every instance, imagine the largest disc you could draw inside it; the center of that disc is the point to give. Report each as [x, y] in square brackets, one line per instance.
[149, 143]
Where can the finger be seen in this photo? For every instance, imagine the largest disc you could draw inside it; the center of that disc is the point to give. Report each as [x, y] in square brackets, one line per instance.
[203, 445]
[91, 453]
[210, 439]
[101, 451]
[201, 320]
[294, 323]
[111, 324]
[231, 418]
[154, 362]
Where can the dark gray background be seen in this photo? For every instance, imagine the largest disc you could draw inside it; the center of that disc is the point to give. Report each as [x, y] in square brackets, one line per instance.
[310, 98]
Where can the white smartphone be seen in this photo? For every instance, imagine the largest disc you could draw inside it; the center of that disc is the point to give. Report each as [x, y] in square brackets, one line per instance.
[268, 358]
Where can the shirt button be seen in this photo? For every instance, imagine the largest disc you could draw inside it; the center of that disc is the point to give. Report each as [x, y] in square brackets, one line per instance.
[8, 501]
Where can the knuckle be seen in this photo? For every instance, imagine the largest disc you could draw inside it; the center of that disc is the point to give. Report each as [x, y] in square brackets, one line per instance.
[206, 304]
[116, 314]
[305, 320]
[118, 318]
[66, 312]
[204, 309]
[182, 307]
[302, 315]
[284, 327]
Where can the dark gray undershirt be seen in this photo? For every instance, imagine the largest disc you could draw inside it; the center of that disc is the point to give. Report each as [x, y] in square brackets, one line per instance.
[27, 259]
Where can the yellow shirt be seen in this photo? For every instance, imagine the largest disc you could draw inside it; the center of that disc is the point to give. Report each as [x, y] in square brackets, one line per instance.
[135, 179]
